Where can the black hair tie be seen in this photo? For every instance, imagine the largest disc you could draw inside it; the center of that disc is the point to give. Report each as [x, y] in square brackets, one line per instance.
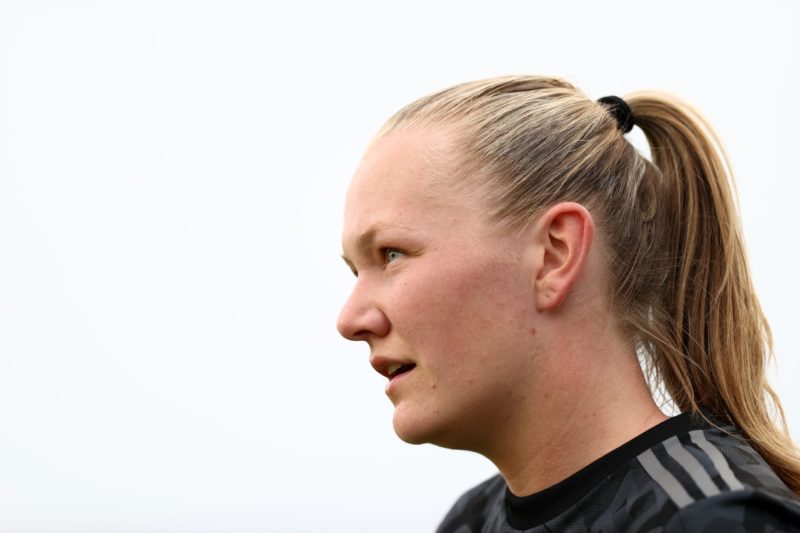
[620, 110]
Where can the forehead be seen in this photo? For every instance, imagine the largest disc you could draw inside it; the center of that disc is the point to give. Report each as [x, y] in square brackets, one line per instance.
[405, 175]
[417, 163]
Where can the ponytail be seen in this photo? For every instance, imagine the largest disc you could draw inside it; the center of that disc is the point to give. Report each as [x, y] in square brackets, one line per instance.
[706, 333]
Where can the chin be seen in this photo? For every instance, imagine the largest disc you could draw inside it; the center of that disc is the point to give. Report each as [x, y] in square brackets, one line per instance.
[413, 428]
[431, 429]
[409, 432]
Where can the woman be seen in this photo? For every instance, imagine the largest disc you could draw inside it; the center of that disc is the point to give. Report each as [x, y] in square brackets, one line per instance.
[515, 257]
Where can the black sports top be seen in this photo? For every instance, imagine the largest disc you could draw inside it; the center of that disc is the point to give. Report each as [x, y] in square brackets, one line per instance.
[682, 475]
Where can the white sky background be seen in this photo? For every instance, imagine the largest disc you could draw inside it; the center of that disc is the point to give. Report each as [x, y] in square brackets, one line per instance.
[171, 186]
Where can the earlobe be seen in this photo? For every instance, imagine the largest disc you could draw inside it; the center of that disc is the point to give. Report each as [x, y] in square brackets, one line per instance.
[564, 233]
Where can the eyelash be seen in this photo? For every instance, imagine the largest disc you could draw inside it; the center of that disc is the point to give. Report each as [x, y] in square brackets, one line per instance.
[388, 250]
[383, 253]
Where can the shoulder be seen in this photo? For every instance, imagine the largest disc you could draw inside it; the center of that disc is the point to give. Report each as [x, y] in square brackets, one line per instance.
[473, 509]
[715, 481]
[703, 463]
[739, 511]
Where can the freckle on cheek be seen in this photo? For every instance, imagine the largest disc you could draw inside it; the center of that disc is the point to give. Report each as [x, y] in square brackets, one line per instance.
[533, 331]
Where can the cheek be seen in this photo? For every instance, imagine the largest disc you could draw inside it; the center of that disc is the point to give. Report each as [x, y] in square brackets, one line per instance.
[463, 310]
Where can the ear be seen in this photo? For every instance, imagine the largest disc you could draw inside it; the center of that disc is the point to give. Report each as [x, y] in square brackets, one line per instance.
[564, 234]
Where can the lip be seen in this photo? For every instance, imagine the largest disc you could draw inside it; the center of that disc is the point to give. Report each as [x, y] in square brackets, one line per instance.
[395, 380]
[381, 365]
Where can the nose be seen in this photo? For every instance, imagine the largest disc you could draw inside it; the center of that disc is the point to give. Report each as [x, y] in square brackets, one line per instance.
[361, 318]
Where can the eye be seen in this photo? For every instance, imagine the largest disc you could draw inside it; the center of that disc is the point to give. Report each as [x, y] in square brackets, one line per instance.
[391, 254]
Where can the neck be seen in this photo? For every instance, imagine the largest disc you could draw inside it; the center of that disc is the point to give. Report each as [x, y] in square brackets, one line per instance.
[592, 399]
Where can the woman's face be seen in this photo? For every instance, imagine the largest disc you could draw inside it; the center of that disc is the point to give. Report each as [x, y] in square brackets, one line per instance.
[443, 298]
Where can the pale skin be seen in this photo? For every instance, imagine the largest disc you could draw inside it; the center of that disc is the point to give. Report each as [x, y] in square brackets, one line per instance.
[515, 352]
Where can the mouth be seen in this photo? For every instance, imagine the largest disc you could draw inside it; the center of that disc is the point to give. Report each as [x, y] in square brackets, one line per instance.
[395, 369]
[395, 373]
[391, 368]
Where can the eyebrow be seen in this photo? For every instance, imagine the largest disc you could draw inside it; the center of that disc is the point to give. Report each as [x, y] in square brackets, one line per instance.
[366, 240]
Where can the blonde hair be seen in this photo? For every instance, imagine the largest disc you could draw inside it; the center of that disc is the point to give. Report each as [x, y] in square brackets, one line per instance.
[677, 263]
